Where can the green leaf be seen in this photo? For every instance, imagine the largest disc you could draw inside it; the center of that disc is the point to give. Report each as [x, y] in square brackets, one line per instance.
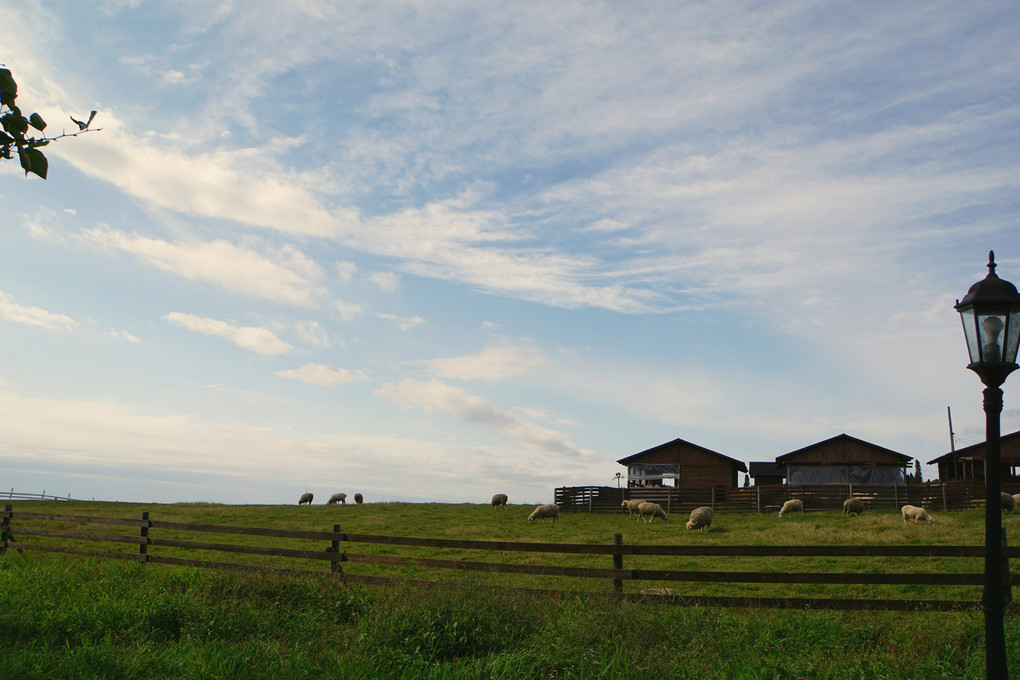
[36, 121]
[33, 160]
[8, 88]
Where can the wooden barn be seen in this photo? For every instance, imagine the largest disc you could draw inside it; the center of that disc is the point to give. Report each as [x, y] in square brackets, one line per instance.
[844, 460]
[682, 465]
[969, 463]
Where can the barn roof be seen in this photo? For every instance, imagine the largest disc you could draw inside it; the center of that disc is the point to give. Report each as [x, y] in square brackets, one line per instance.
[765, 469]
[680, 442]
[892, 457]
[1008, 443]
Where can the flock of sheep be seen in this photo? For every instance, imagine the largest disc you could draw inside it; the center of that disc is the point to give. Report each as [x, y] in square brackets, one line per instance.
[335, 499]
[700, 518]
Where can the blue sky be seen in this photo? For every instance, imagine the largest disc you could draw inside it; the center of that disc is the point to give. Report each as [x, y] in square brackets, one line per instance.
[435, 251]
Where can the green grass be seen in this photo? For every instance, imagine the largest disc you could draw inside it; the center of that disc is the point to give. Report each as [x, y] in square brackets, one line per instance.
[70, 617]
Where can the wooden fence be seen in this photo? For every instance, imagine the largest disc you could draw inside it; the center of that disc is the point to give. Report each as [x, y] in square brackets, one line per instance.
[23, 496]
[154, 541]
[930, 495]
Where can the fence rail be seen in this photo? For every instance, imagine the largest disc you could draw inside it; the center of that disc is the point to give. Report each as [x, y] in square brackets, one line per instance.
[152, 546]
[931, 495]
[13, 495]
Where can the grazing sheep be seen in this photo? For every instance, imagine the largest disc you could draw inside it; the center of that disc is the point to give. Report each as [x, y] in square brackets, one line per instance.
[1008, 502]
[340, 498]
[853, 506]
[632, 505]
[701, 518]
[359, 499]
[541, 512]
[652, 510]
[499, 500]
[791, 506]
[305, 498]
[1016, 499]
[917, 514]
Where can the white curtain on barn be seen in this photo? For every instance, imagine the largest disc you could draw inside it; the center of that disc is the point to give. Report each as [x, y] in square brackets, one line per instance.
[876, 475]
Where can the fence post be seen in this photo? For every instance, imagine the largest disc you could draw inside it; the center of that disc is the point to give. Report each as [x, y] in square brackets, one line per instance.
[943, 498]
[1007, 589]
[5, 527]
[757, 494]
[143, 548]
[334, 546]
[618, 563]
[713, 498]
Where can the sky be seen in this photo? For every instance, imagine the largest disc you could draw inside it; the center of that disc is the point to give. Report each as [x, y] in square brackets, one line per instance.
[437, 251]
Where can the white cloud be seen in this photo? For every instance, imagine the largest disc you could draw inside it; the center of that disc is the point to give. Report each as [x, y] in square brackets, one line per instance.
[436, 397]
[346, 270]
[348, 310]
[313, 333]
[282, 275]
[320, 374]
[404, 323]
[253, 339]
[34, 316]
[123, 335]
[387, 281]
[492, 363]
[240, 185]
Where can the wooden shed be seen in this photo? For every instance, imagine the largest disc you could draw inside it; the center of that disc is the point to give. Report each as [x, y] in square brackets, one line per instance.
[682, 465]
[766, 474]
[845, 460]
[969, 463]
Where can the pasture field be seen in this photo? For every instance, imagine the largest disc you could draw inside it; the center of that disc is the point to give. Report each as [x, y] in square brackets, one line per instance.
[66, 616]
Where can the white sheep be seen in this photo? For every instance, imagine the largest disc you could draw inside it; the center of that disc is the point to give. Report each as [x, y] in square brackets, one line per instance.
[853, 506]
[1016, 499]
[701, 518]
[1008, 502]
[632, 505]
[340, 498]
[305, 498]
[359, 499]
[550, 510]
[652, 510]
[791, 506]
[499, 500]
[917, 514]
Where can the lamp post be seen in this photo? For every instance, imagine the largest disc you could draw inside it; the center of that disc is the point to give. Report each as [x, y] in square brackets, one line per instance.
[991, 323]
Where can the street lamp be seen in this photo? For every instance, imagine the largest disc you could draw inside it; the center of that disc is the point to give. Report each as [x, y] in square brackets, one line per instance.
[991, 323]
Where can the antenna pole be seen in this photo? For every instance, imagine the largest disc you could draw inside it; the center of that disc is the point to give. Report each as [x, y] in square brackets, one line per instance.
[952, 436]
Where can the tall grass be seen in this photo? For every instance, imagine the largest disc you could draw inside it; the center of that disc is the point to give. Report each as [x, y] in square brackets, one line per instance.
[69, 617]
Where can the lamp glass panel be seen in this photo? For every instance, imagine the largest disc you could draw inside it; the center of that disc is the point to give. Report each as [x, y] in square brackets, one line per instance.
[990, 327]
[970, 331]
[1012, 336]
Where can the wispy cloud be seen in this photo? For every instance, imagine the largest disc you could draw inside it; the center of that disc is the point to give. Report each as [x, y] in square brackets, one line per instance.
[495, 362]
[404, 323]
[254, 339]
[320, 374]
[283, 275]
[437, 397]
[34, 316]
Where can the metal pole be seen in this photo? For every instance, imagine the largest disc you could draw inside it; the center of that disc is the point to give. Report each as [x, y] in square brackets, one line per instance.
[992, 599]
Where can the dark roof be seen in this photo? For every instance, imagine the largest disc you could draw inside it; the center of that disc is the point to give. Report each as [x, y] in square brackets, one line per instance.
[766, 470]
[903, 458]
[975, 450]
[739, 464]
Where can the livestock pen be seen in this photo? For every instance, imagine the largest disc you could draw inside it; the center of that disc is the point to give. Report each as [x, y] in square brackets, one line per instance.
[943, 496]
